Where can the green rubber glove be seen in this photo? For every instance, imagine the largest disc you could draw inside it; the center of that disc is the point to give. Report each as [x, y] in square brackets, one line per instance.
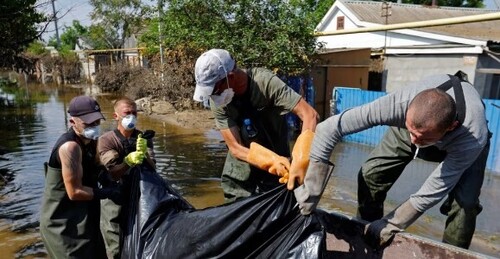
[141, 144]
[134, 158]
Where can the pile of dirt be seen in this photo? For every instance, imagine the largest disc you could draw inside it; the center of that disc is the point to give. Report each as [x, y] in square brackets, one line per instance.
[191, 119]
[198, 118]
[163, 92]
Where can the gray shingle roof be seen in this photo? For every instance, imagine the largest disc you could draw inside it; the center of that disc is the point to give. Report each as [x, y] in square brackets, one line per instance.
[370, 11]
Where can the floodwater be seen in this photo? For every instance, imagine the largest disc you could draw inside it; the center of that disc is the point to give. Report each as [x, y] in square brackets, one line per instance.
[191, 160]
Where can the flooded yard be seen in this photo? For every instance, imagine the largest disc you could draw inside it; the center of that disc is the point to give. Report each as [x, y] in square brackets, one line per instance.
[191, 160]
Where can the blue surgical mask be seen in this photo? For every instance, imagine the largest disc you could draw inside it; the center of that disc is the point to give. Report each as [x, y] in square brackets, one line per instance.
[129, 122]
[92, 132]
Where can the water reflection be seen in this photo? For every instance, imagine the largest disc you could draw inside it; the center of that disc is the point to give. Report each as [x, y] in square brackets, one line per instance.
[33, 122]
[190, 159]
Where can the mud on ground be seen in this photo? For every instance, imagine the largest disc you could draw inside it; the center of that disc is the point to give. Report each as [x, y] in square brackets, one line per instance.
[194, 118]
[191, 119]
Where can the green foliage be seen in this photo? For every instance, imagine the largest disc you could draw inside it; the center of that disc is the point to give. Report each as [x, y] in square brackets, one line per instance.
[119, 18]
[37, 48]
[319, 10]
[69, 36]
[101, 38]
[96, 35]
[270, 33]
[18, 28]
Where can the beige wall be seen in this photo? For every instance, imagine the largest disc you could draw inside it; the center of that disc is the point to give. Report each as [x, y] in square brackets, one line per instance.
[342, 68]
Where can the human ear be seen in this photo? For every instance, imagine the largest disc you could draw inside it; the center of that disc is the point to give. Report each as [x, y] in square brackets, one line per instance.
[453, 126]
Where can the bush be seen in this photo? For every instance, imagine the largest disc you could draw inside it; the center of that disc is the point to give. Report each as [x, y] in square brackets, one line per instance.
[176, 85]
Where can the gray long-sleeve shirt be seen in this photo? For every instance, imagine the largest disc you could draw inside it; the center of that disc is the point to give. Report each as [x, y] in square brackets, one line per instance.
[463, 145]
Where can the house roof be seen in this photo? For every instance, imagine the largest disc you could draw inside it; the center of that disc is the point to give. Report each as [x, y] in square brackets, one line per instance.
[370, 12]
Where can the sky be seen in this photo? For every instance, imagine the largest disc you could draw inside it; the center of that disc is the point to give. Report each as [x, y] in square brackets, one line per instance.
[69, 10]
[80, 10]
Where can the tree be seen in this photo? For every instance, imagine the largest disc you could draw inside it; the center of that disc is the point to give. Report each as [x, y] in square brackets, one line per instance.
[37, 48]
[271, 33]
[18, 28]
[120, 18]
[101, 38]
[69, 36]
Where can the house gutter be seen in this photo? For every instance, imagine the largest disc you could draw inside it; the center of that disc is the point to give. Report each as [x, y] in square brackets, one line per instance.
[420, 24]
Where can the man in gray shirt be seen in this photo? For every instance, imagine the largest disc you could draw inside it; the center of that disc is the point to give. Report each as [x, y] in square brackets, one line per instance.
[441, 119]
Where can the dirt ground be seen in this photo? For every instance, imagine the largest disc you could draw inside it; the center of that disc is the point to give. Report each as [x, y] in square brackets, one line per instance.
[191, 119]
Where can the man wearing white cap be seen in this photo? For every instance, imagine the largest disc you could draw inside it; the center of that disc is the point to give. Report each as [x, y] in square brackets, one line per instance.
[250, 107]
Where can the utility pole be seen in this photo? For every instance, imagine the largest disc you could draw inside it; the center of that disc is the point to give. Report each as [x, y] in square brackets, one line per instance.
[55, 23]
[160, 38]
[386, 12]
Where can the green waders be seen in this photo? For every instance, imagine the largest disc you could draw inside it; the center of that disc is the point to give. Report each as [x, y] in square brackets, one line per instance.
[69, 229]
[386, 163]
[240, 180]
[110, 227]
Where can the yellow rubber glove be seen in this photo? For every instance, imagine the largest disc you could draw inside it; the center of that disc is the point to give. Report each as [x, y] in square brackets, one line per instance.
[266, 159]
[141, 144]
[300, 159]
[134, 158]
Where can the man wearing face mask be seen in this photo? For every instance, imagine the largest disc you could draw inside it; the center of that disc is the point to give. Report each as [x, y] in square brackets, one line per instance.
[119, 150]
[249, 107]
[440, 119]
[69, 217]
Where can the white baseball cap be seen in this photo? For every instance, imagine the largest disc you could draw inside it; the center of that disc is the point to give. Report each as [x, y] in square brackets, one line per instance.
[211, 67]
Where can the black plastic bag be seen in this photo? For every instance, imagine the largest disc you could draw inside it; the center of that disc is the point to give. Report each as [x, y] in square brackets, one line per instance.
[161, 224]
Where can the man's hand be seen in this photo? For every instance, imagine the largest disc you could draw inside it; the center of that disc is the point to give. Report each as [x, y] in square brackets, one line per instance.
[300, 159]
[266, 159]
[380, 232]
[309, 194]
[112, 193]
[134, 158]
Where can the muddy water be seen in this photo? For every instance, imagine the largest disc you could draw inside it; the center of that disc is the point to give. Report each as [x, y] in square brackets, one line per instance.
[191, 160]
[341, 195]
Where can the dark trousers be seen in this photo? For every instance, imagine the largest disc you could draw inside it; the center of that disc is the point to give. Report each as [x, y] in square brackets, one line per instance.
[386, 163]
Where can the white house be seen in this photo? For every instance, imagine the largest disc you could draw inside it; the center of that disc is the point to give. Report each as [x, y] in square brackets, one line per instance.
[409, 54]
[132, 54]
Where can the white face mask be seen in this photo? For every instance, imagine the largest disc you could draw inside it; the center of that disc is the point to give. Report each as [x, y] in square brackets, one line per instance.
[92, 132]
[129, 122]
[223, 99]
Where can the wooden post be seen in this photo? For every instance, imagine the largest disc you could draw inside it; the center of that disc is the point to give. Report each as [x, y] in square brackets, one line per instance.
[89, 75]
[42, 67]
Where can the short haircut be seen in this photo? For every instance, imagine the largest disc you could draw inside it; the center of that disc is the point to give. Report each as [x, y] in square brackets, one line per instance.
[433, 108]
[124, 100]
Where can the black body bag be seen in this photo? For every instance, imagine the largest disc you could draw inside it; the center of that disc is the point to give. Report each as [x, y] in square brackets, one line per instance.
[161, 224]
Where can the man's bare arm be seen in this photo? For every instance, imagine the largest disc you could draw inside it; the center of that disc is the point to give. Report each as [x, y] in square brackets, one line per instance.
[307, 115]
[233, 142]
[70, 154]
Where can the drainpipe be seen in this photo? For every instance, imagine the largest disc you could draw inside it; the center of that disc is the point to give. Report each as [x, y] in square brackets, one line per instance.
[420, 24]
